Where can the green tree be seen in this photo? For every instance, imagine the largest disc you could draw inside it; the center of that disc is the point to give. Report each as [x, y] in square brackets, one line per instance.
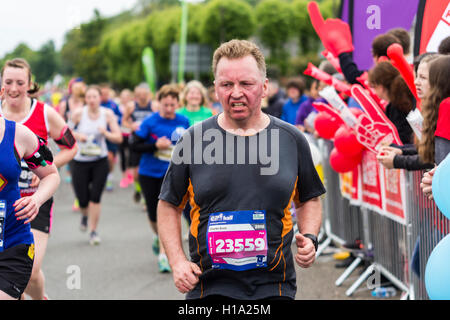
[122, 49]
[165, 29]
[46, 62]
[81, 54]
[274, 29]
[21, 51]
[303, 30]
[70, 51]
[226, 20]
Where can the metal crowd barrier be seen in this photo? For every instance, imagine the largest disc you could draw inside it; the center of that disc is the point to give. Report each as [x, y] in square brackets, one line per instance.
[428, 227]
[389, 246]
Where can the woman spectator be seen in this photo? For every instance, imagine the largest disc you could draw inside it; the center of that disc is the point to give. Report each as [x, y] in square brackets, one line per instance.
[406, 157]
[435, 143]
[389, 85]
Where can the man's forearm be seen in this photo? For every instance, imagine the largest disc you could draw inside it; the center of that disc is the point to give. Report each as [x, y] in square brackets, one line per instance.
[169, 230]
[309, 216]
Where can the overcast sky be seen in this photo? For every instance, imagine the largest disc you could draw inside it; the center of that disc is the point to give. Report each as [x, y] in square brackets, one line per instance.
[38, 21]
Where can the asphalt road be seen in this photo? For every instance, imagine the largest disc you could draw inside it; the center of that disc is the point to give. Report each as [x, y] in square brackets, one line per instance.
[123, 266]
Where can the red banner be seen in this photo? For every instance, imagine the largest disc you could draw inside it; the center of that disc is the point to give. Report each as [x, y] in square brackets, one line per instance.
[392, 194]
[351, 185]
[371, 189]
[432, 25]
[376, 188]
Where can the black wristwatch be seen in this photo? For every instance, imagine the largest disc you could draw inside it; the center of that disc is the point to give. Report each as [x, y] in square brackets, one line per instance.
[313, 239]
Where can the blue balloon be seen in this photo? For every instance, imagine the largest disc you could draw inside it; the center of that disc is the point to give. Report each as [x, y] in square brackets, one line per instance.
[441, 186]
[437, 271]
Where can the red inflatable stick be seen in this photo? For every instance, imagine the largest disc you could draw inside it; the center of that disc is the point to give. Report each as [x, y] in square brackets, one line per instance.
[335, 34]
[377, 122]
[332, 59]
[323, 107]
[395, 53]
[363, 79]
[335, 101]
[320, 75]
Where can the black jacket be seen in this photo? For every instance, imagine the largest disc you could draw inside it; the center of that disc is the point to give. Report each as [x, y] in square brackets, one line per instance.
[398, 118]
[349, 68]
[275, 106]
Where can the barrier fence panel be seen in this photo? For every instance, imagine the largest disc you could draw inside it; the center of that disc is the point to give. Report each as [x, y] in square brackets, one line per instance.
[428, 227]
[386, 210]
[343, 222]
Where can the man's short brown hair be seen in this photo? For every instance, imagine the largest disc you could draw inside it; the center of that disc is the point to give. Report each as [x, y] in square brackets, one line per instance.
[167, 90]
[235, 49]
[404, 38]
[381, 43]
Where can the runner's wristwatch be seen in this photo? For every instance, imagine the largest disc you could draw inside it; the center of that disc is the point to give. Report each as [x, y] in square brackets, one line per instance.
[313, 239]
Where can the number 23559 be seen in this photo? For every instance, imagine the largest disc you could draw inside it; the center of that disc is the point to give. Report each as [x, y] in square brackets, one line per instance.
[239, 245]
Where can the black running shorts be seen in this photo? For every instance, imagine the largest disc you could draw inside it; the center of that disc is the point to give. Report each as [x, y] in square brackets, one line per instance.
[43, 220]
[16, 264]
[151, 188]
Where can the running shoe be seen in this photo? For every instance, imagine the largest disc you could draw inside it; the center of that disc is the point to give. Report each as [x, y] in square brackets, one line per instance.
[94, 239]
[137, 196]
[84, 222]
[124, 183]
[163, 264]
[130, 178]
[76, 206]
[109, 186]
[155, 246]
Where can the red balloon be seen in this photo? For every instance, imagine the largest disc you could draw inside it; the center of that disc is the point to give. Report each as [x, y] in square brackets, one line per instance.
[346, 143]
[342, 163]
[326, 125]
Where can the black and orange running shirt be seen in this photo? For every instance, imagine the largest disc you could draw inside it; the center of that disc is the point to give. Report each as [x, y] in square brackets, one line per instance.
[241, 186]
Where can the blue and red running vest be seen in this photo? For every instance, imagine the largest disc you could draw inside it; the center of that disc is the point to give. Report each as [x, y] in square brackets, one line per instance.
[13, 232]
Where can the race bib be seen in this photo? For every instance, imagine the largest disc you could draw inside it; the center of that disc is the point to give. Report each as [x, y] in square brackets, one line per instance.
[2, 222]
[91, 147]
[237, 240]
[25, 179]
[165, 155]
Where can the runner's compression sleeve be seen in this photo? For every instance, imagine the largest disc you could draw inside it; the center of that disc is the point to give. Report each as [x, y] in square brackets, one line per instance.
[140, 145]
[42, 156]
[66, 138]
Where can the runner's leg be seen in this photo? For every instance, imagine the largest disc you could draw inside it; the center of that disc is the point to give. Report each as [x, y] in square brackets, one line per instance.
[36, 286]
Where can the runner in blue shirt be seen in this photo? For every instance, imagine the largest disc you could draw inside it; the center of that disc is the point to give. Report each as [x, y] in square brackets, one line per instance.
[16, 213]
[155, 139]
